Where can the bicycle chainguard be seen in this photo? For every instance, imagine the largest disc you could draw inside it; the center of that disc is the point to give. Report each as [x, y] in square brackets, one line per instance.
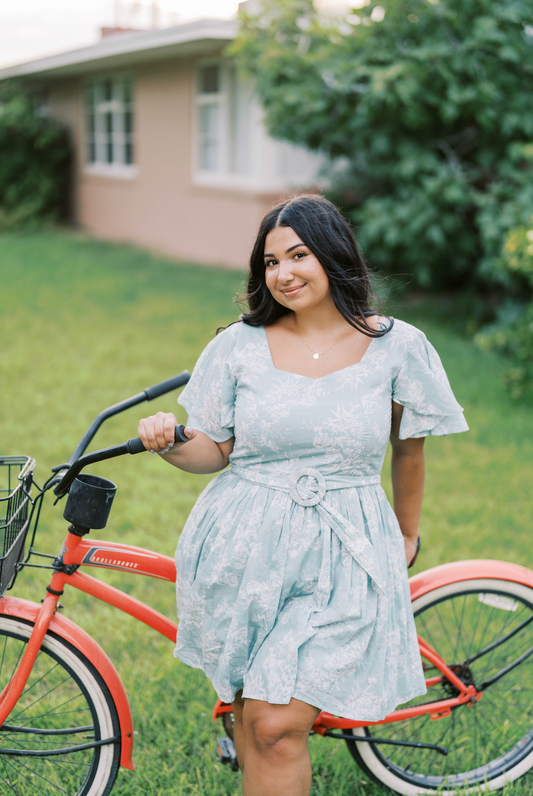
[226, 753]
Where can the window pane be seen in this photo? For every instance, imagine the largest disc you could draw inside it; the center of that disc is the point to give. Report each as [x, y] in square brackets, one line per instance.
[109, 137]
[90, 135]
[209, 120]
[239, 106]
[128, 153]
[209, 138]
[209, 79]
[90, 122]
[128, 121]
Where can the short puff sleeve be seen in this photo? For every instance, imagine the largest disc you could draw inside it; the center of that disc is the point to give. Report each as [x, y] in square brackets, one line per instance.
[422, 388]
[209, 397]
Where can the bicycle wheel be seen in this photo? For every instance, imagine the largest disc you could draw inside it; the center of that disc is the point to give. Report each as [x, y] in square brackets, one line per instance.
[64, 705]
[480, 627]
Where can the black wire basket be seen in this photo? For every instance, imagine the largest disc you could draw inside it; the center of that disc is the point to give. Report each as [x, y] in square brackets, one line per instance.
[16, 477]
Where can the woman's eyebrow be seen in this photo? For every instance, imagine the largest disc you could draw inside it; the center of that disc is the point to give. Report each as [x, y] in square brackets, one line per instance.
[287, 252]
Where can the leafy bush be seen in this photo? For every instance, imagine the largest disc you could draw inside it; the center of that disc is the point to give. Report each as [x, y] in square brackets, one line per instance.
[421, 108]
[35, 156]
[512, 334]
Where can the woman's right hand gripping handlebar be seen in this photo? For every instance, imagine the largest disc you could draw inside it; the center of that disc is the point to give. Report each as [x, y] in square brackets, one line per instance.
[199, 454]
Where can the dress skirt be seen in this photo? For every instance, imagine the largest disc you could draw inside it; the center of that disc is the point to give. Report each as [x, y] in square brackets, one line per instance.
[271, 601]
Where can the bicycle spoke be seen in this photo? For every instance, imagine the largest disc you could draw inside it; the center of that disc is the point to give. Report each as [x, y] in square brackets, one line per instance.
[56, 712]
[444, 627]
[486, 739]
[42, 696]
[16, 665]
[34, 774]
[507, 715]
[458, 637]
[3, 657]
[427, 634]
[36, 682]
[474, 633]
[6, 781]
[460, 622]
[489, 659]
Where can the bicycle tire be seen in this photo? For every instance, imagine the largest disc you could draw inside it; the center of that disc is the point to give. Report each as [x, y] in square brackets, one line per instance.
[64, 693]
[490, 743]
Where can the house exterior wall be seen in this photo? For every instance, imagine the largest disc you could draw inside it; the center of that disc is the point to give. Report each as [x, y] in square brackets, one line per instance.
[162, 207]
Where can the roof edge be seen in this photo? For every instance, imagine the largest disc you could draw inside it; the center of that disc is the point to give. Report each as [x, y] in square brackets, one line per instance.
[122, 44]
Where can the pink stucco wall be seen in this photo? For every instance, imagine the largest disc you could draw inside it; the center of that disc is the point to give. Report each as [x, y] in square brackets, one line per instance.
[161, 209]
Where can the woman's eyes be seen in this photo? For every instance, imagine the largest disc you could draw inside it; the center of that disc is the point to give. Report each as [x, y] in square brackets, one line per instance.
[296, 256]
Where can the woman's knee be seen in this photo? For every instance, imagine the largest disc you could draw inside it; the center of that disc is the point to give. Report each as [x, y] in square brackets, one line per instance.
[273, 730]
[271, 738]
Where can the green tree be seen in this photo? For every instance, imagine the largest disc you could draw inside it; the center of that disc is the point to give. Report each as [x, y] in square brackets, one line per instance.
[35, 156]
[512, 332]
[421, 108]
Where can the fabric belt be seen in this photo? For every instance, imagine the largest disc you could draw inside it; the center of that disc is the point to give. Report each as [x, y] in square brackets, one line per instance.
[308, 487]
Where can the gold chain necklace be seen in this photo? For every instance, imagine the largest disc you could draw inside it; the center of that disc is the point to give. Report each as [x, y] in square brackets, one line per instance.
[315, 354]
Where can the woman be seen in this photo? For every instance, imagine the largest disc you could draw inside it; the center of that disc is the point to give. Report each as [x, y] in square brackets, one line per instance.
[292, 579]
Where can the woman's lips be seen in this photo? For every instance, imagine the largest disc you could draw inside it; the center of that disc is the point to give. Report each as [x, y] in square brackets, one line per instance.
[292, 291]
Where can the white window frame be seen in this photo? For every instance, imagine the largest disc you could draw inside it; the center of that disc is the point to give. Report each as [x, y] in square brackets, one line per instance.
[118, 138]
[225, 175]
[219, 100]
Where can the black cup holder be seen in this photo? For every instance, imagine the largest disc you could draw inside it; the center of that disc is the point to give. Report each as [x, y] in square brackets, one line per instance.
[89, 501]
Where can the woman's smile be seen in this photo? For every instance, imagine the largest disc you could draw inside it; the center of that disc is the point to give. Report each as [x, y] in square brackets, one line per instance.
[292, 291]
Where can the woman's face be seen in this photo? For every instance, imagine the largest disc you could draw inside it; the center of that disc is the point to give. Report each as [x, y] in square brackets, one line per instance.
[293, 274]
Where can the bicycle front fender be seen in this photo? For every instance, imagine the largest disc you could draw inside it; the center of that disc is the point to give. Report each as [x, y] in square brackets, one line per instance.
[456, 571]
[71, 632]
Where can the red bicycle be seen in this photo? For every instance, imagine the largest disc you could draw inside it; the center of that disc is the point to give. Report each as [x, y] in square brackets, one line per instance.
[65, 720]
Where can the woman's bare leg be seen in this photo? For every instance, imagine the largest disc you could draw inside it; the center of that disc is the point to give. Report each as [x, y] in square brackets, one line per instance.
[238, 729]
[276, 753]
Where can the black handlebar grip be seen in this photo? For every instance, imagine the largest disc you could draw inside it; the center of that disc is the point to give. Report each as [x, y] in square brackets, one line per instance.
[135, 445]
[167, 386]
[179, 434]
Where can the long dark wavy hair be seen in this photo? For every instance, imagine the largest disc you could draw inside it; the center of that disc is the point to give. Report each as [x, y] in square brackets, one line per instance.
[320, 225]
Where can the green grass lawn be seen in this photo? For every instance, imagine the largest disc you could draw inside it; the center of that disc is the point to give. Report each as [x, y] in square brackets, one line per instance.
[85, 324]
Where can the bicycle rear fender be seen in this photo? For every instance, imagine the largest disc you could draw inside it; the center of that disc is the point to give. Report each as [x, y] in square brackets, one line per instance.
[68, 630]
[456, 571]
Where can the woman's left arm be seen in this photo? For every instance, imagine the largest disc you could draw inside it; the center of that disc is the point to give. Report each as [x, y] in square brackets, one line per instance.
[407, 472]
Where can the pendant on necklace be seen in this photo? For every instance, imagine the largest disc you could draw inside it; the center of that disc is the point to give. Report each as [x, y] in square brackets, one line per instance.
[315, 356]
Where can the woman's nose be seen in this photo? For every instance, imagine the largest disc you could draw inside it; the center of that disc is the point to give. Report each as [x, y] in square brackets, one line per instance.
[285, 271]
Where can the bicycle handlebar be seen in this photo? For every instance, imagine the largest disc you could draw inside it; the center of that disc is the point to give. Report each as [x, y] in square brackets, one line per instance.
[132, 446]
[167, 386]
[147, 395]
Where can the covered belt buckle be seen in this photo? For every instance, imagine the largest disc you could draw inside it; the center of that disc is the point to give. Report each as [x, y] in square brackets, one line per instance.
[317, 491]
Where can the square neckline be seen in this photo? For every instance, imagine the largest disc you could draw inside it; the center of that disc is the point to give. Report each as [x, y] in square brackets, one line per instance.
[317, 378]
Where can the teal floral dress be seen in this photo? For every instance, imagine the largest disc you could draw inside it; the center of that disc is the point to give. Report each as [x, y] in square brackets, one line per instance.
[291, 574]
